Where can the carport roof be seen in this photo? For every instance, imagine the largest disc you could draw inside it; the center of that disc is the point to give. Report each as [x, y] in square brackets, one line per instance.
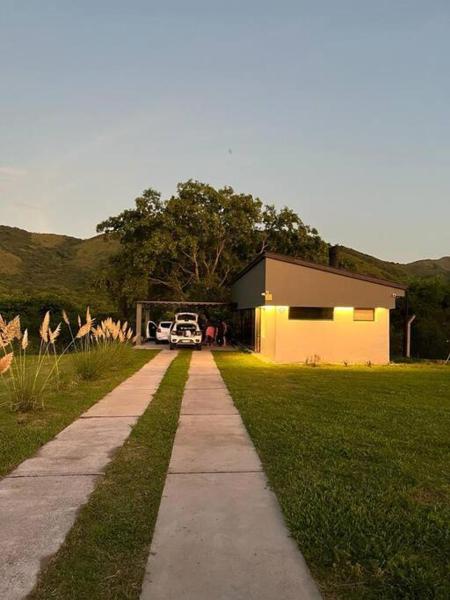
[181, 303]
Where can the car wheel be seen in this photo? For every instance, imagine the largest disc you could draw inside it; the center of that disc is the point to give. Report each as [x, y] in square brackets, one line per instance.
[172, 346]
[199, 346]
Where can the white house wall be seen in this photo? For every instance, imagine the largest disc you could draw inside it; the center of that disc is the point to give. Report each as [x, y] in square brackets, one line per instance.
[338, 341]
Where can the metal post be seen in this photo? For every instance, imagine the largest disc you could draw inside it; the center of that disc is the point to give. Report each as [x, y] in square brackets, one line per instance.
[138, 323]
[408, 335]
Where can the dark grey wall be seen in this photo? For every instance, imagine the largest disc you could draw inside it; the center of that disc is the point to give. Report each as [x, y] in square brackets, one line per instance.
[246, 291]
[295, 285]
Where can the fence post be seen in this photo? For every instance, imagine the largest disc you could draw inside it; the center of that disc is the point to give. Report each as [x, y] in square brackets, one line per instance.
[138, 323]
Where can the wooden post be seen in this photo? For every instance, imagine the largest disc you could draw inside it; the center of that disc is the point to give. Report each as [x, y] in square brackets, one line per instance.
[138, 323]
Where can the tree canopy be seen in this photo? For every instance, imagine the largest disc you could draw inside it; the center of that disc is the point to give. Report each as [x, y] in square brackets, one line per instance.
[191, 245]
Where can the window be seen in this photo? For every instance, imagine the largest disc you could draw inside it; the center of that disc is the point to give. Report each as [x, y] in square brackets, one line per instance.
[364, 314]
[186, 317]
[310, 313]
[182, 327]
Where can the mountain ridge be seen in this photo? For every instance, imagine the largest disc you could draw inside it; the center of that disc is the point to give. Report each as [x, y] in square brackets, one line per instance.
[55, 264]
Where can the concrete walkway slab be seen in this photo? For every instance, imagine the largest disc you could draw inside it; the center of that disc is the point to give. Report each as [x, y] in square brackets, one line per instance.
[35, 515]
[220, 534]
[40, 499]
[208, 402]
[83, 448]
[212, 443]
[120, 405]
[221, 537]
[204, 383]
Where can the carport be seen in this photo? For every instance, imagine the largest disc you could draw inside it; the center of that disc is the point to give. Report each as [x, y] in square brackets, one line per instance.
[143, 310]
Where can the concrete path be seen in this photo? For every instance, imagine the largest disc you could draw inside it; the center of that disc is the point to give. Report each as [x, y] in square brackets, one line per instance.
[39, 501]
[220, 533]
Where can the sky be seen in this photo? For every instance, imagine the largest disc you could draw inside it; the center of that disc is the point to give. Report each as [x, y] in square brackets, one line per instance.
[337, 109]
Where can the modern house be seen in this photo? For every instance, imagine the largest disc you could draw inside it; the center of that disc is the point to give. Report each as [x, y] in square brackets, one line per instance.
[292, 310]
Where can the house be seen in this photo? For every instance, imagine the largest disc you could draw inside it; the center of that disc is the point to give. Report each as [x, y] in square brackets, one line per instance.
[292, 310]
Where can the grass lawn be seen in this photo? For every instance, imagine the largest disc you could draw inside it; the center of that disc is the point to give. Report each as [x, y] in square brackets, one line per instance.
[105, 553]
[360, 461]
[22, 434]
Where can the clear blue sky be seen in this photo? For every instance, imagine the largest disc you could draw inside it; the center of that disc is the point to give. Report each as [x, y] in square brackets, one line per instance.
[338, 109]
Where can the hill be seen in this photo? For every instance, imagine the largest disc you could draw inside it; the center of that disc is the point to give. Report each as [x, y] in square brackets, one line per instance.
[429, 267]
[54, 265]
[401, 272]
[68, 267]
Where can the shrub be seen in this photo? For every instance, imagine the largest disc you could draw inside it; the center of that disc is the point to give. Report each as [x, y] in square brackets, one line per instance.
[101, 347]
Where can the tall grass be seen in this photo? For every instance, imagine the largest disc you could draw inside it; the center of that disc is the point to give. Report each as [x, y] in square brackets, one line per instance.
[27, 378]
[94, 350]
[99, 347]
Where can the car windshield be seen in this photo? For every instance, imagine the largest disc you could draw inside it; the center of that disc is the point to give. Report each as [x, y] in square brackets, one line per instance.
[165, 324]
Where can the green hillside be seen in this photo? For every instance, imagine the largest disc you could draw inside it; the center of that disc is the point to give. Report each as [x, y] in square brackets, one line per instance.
[68, 267]
[430, 268]
[54, 265]
[369, 265]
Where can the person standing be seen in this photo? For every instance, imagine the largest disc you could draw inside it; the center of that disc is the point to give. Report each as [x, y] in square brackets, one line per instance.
[221, 333]
[202, 323]
[225, 332]
[210, 334]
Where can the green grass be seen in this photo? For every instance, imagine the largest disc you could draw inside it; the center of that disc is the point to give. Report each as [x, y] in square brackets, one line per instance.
[22, 434]
[359, 459]
[105, 553]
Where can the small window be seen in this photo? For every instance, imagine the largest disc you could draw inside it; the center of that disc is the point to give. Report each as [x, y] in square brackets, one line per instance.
[364, 314]
[310, 313]
[181, 327]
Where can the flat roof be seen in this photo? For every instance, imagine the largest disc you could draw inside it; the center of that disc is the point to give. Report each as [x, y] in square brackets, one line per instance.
[311, 265]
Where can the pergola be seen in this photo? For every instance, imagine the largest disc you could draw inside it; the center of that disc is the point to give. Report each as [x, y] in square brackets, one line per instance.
[143, 310]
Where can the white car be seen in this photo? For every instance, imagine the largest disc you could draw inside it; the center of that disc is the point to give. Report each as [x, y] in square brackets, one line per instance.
[185, 333]
[163, 331]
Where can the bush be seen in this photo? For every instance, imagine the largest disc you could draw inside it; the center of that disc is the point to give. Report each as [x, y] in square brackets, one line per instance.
[89, 364]
[99, 348]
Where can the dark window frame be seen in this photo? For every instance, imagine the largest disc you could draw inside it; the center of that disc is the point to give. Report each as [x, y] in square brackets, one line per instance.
[311, 313]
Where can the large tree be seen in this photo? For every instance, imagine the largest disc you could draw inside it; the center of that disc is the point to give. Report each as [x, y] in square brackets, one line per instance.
[189, 247]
